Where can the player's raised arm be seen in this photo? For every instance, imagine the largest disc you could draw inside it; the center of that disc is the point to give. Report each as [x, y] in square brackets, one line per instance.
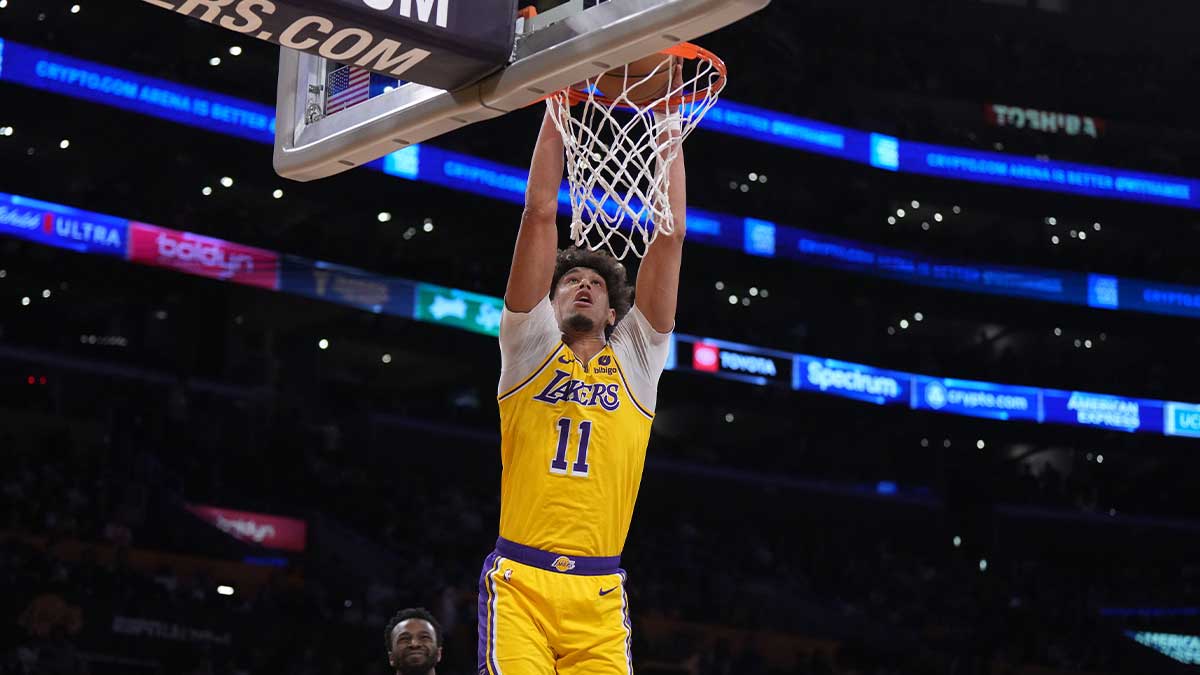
[658, 277]
[537, 241]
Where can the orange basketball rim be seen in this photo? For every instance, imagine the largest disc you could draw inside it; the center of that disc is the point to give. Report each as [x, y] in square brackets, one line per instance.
[683, 50]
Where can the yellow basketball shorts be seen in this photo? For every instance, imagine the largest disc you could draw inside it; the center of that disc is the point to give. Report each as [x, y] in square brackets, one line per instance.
[542, 613]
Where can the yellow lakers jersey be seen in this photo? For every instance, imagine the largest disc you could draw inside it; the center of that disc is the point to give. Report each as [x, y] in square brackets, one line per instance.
[573, 446]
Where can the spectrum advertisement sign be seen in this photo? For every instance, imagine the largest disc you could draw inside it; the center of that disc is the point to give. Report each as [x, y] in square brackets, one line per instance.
[203, 256]
[62, 226]
[268, 531]
[851, 380]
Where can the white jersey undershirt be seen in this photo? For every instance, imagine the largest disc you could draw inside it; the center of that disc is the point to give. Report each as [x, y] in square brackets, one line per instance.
[526, 339]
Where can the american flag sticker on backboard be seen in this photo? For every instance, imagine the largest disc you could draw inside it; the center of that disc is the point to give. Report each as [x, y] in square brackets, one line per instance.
[346, 86]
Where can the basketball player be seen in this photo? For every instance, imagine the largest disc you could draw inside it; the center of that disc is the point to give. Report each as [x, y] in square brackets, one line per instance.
[414, 642]
[577, 393]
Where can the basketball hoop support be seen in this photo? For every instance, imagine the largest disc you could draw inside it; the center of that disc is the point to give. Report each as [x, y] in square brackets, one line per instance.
[551, 55]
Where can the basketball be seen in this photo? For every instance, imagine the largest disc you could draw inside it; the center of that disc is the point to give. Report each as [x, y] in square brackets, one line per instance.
[640, 81]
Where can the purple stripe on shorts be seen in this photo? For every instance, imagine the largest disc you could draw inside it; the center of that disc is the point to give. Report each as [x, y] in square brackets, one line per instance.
[627, 623]
[556, 562]
[485, 596]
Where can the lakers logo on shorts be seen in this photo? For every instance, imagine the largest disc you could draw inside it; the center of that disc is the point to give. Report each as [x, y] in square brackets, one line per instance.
[563, 564]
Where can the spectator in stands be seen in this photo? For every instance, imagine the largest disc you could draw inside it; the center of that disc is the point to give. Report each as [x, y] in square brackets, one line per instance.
[413, 639]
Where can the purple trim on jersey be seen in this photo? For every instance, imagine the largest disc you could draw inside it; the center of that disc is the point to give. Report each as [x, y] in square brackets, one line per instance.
[632, 397]
[537, 372]
[566, 564]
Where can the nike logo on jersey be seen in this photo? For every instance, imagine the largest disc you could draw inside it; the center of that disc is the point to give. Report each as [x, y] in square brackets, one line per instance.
[564, 389]
[604, 592]
[603, 365]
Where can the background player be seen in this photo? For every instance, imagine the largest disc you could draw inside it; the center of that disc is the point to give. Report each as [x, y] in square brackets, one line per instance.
[414, 642]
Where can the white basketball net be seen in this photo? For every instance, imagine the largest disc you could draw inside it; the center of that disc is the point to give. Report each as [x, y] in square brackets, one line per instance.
[618, 150]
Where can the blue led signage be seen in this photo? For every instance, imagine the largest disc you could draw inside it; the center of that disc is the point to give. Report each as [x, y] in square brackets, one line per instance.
[223, 114]
[138, 93]
[63, 226]
[87, 232]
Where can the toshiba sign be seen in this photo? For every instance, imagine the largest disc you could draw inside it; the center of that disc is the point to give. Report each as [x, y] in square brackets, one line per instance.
[1045, 121]
[203, 256]
[287, 534]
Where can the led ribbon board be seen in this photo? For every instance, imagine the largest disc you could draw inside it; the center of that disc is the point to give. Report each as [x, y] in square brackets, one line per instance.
[441, 43]
[940, 161]
[764, 238]
[474, 312]
[63, 226]
[121, 88]
[232, 116]
[98, 83]
[261, 529]
[1183, 648]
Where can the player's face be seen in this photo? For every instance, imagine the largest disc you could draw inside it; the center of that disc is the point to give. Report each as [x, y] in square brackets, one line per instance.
[581, 301]
[414, 647]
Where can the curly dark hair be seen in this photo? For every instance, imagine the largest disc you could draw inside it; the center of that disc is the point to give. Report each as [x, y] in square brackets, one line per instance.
[405, 615]
[620, 291]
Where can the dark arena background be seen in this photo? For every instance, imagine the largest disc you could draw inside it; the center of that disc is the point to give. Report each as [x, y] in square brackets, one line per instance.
[932, 406]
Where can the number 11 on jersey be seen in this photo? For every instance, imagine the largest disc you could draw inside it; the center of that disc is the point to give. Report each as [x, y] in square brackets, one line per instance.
[559, 464]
